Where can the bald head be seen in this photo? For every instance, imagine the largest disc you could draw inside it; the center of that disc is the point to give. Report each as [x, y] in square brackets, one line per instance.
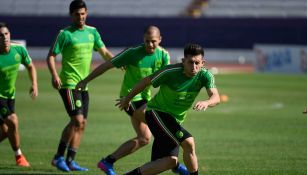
[152, 39]
[152, 30]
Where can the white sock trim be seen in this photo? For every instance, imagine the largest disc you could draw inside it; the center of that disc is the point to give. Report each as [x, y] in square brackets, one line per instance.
[18, 152]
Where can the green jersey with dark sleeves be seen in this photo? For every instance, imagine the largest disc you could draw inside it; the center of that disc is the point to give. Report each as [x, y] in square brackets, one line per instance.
[76, 46]
[9, 67]
[177, 91]
[139, 64]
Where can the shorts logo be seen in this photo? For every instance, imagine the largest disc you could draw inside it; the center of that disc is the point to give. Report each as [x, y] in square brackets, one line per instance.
[179, 134]
[3, 111]
[78, 103]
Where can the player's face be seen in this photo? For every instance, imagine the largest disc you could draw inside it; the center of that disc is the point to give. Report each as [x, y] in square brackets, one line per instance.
[79, 17]
[151, 42]
[192, 64]
[5, 37]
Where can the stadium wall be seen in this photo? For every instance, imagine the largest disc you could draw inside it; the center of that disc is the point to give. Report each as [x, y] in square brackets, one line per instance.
[230, 33]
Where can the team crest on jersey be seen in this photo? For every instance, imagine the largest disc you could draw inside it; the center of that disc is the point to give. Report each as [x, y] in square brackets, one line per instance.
[17, 57]
[158, 64]
[91, 37]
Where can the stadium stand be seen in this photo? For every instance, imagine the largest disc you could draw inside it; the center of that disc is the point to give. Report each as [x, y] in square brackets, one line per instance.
[150, 8]
[259, 8]
[162, 8]
[215, 24]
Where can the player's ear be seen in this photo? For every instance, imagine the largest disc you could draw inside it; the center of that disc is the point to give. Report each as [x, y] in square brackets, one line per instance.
[182, 59]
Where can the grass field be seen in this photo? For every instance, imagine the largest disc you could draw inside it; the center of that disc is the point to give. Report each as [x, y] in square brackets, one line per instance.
[260, 131]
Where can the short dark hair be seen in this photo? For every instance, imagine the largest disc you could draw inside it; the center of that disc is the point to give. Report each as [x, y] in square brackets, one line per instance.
[193, 49]
[2, 24]
[76, 4]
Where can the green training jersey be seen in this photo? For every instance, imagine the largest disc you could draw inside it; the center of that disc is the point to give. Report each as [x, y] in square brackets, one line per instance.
[139, 64]
[9, 67]
[76, 46]
[177, 91]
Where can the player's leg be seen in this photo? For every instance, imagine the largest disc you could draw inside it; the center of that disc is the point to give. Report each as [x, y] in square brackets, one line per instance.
[3, 130]
[136, 111]
[13, 134]
[73, 104]
[189, 155]
[78, 124]
[164, 154]
[168, 129]
[78, 115]
[142, 138]
[155, 167]
[59, 160]
[11, 122]
[3, 113]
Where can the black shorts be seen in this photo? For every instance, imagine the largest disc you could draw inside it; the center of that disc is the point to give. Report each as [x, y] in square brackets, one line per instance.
[134, 106]
[168, 134]
[7, 107]
[76, 102]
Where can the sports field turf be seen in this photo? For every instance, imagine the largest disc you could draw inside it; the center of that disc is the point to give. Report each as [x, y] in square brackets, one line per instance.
[260, 131]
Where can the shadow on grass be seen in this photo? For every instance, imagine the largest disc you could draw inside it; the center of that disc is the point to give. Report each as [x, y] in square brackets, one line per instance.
[13, 169]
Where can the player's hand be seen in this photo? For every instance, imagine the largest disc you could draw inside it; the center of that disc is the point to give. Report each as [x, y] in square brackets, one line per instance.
[123, 103]
[56, 82]
[81, 85]
[201, 106]
[305, 111]
[33, 91]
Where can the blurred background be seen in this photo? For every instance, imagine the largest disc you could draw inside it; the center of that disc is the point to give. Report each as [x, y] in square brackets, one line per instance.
[238, 35]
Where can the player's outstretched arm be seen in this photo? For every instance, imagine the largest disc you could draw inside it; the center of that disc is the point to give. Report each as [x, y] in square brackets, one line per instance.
[214, 99]
[105, 53]
[33, 77]
[124, 102]
[96, 72]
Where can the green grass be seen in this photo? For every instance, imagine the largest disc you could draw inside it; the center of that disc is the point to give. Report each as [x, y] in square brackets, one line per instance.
[260, 131]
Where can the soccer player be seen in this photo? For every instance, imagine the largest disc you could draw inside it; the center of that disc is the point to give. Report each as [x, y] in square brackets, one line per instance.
[76, 44]
[139, 62]
[179, 85]
[11, 56]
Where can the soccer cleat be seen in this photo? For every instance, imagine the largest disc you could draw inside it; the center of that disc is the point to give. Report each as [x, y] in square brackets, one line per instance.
[181, 170]
[73, 166]
[22, 161]
[106, 167]
[60, 164]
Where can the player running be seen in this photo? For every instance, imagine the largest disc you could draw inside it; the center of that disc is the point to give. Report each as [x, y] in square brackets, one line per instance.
[11, 56]
[179, 85]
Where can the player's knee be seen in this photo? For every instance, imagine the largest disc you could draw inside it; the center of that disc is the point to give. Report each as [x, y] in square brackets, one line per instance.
[12, 121]
[144, 141]
[188, 145]
[79, 124]
[172, 161]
